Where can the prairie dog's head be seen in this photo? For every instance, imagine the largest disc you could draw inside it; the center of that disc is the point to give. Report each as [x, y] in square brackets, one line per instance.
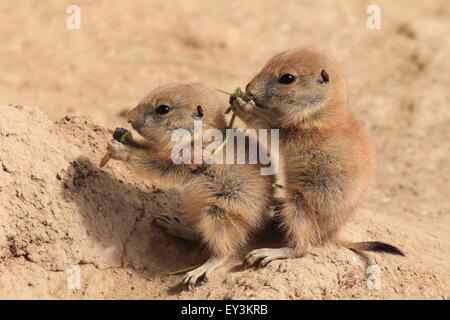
[296, 85]
[176, 106]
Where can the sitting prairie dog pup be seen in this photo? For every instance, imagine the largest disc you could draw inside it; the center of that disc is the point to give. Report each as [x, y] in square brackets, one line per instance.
[224, 203]
[328, 159]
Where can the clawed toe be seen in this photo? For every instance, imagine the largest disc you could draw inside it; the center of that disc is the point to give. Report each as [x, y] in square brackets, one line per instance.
[165, 222]
[162, 221]
[266, 255]
[191, 278]
[174, 227]
[202, 273]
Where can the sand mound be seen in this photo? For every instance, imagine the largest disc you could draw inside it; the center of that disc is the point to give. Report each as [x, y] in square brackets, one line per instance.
[59, 210]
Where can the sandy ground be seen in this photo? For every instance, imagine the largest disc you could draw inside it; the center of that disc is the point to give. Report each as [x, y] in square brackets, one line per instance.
[58, 209]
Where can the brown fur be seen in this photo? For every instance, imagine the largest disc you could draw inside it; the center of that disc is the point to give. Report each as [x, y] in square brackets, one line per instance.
[224, 203]
[328, 158]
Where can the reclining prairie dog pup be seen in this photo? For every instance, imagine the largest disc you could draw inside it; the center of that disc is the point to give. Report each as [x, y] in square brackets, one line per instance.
[224, 203]
[328, 159]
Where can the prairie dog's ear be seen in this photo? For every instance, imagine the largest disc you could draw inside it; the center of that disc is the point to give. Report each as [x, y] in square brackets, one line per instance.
[324, 77]
[198, 113]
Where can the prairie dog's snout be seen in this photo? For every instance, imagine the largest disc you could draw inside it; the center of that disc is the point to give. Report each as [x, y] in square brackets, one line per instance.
[250, 90]
[134, 115]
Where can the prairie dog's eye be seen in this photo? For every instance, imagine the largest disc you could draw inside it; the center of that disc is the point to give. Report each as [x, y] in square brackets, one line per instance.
[287, 78]
[163, 109]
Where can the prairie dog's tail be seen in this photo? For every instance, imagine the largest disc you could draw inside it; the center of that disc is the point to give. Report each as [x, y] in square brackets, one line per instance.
[376, 246]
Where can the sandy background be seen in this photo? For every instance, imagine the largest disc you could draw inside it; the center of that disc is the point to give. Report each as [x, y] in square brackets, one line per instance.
[57, 208]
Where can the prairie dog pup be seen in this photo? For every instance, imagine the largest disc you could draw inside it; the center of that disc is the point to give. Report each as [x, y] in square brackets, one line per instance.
[224, 203]
[328, 159]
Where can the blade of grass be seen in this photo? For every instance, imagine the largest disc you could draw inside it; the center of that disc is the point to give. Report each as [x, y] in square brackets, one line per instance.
[230, 94]
[184, 270]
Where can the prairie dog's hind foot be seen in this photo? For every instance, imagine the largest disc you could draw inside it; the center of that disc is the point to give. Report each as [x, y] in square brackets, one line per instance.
[266, 255]
[174, 227]
[203, 272]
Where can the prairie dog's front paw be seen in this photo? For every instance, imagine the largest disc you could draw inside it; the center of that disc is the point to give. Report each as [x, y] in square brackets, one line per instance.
[120, 134]
[242, 109]
[118, 150]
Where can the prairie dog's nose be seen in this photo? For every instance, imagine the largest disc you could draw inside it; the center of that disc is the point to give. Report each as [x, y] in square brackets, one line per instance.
[133, 115]
[249, 89]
